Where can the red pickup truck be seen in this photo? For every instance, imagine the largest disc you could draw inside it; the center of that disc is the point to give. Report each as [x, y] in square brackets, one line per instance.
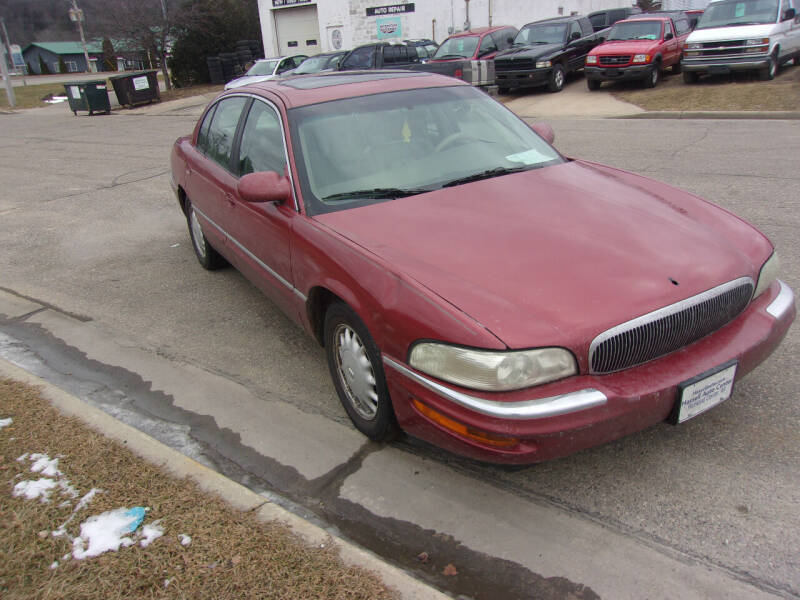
[640, 47]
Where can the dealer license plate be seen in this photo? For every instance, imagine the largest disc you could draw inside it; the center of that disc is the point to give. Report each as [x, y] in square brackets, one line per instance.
[698, 394]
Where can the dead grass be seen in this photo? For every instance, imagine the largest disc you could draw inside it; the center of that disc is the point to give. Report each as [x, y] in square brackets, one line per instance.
[231, 555]
[32, 96]
[195, 90]
[736, 92]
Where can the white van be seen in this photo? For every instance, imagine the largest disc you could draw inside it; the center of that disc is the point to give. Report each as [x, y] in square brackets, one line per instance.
[743, 35]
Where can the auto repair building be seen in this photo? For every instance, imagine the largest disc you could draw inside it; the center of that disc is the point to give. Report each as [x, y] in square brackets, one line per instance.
[310, 27]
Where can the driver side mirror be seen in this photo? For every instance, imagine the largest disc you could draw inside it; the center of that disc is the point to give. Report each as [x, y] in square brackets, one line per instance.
[575, 35]
[668, 37]
[789, 14]
[264, 186]
[545, 132]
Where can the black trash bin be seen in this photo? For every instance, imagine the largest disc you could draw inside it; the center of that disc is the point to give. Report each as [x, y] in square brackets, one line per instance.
[136, 88]
[88, 95]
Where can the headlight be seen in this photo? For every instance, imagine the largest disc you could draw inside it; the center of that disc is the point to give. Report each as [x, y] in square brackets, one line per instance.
[641, 58]
[768, 274]
[693, 46]
[591, 60]
[543, 64]
[492, 371]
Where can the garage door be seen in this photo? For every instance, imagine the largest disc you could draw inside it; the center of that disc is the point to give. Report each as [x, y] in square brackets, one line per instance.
[297, 30]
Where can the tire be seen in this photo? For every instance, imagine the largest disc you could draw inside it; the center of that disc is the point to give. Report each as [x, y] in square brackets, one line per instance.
[771, 70]
[208, 258]
[690, 77]
[676, 68]
[356, 368]
[593, 84]
[557, 79]
[653, 76]
[796, 60]
[503, 90]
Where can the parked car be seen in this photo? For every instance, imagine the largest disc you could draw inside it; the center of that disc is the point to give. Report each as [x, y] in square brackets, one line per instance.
[545, 52]
[265, 69]
[743, 35]
[481, 43]
[470, 284]
[638, 49]
[694, 16]
[318, 63]
[602, 19]
[380, 55]
[425, 48]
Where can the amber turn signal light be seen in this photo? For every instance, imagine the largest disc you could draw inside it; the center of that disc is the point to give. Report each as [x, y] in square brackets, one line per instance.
[484, 437]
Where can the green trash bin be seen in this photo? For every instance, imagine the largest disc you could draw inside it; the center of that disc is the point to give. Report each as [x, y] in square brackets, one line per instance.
[140, 87]
[88, 95]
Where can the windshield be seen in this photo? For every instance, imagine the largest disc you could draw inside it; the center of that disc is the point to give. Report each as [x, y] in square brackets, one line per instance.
[637, 30]
[315, 64]
[542, 34]
[460, 47]
[730, 13]
[369, 149]
[262, 67]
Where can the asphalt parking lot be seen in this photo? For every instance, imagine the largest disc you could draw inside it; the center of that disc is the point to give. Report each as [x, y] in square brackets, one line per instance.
[100, 291]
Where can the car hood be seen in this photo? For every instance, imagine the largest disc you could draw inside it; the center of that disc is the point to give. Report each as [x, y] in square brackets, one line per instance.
[624, 47]
[247, 80]
[555, 256]
[529, 51]
[718, 34]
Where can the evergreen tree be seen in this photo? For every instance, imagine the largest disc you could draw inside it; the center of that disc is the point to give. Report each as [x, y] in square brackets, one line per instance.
[109, 56]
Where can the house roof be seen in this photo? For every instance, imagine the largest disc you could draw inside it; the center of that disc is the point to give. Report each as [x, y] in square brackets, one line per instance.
[63, 48]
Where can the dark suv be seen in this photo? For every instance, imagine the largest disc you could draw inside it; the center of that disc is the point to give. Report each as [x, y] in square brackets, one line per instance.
[601, 19]
[381, 55]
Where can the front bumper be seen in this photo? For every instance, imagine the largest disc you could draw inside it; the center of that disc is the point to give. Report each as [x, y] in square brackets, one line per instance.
[725, 65]
[520, 79]
[627, 73]
[579, 412]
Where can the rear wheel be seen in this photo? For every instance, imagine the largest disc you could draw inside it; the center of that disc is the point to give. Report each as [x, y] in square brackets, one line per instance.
[690, 77]
[557, 79]
[206, 255]
[593, 84]
[355, 365]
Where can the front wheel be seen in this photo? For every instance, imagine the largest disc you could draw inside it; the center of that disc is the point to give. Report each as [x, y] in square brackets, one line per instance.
[676, 68]
[653, 77]
[593, 84]
[557, 79]
[768, 73]
[355, 365]
[690, 77]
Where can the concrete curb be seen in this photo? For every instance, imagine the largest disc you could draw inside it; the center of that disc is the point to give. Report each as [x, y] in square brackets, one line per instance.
[209, 480]
[700, 114]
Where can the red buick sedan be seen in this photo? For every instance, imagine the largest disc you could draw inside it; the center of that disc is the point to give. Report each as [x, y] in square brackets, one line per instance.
[471, 285]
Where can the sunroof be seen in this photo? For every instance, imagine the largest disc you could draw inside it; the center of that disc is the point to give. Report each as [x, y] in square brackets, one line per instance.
[321, 81]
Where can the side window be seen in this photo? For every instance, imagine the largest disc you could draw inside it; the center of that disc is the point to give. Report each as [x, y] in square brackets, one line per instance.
[598, 21]
[586, 26]
[262, 141]
[681, 26]
[285, 65]
[574, 31]
[360, 58]
[202, 135]
[487, 45]
[223, 129]
[667, 29]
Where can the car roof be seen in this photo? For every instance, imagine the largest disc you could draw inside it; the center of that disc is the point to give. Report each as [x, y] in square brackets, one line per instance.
[481, 30]
[302, 90]
[643, 17]
[565, 19]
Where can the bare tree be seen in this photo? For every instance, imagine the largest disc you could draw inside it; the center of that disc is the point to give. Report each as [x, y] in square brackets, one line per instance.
[146, 24]
[648, 5]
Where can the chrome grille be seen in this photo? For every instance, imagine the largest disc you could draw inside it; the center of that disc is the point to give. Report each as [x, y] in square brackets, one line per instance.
[615, 60]
[668, 329]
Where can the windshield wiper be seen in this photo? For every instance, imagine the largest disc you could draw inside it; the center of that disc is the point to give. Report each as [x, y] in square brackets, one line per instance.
[374, 194]
[486, 175]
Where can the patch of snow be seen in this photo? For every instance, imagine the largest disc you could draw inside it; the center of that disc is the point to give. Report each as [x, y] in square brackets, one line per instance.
[23, 457]
[150, 532]
[56, 100]
[104, 532]
[54, 564]
[185, 539]
[6, 422]
[67, 489]
[45, 465]
[82, 503]
[40, 488]
[166, 582]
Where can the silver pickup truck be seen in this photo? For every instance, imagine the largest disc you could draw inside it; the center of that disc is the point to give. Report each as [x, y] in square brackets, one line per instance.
[743, 35]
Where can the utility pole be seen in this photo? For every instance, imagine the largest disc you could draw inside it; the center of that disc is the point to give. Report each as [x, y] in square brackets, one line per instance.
[76, 16]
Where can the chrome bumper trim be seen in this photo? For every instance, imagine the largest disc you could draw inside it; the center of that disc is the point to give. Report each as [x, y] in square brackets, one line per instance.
[526, 409]
[783, 301]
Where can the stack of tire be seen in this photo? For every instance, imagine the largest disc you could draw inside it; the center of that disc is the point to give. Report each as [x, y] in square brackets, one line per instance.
[243, 53]
[215, 70]
[230, 65]
[255, 48]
